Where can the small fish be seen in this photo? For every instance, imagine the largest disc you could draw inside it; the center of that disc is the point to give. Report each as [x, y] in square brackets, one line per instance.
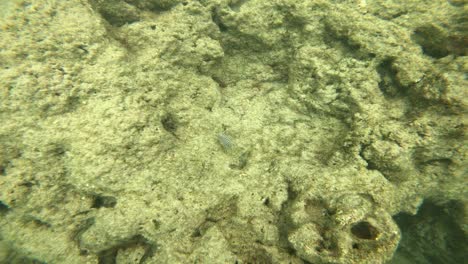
[225, 141]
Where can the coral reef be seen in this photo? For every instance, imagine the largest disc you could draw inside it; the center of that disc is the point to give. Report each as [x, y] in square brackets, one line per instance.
[232, 131]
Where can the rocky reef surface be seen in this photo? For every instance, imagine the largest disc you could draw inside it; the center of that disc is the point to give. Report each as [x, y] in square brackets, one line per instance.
[233, 131]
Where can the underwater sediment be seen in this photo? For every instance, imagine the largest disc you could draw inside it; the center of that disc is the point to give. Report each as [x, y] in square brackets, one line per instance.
[233, 131]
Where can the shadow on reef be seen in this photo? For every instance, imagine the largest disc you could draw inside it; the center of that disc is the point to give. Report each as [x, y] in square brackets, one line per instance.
[433, 235]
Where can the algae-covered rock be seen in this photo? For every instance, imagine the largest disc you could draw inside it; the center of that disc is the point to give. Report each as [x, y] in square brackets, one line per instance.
[233, 131]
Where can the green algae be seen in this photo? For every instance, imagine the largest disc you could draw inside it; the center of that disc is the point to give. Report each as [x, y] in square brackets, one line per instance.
[345, 118]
